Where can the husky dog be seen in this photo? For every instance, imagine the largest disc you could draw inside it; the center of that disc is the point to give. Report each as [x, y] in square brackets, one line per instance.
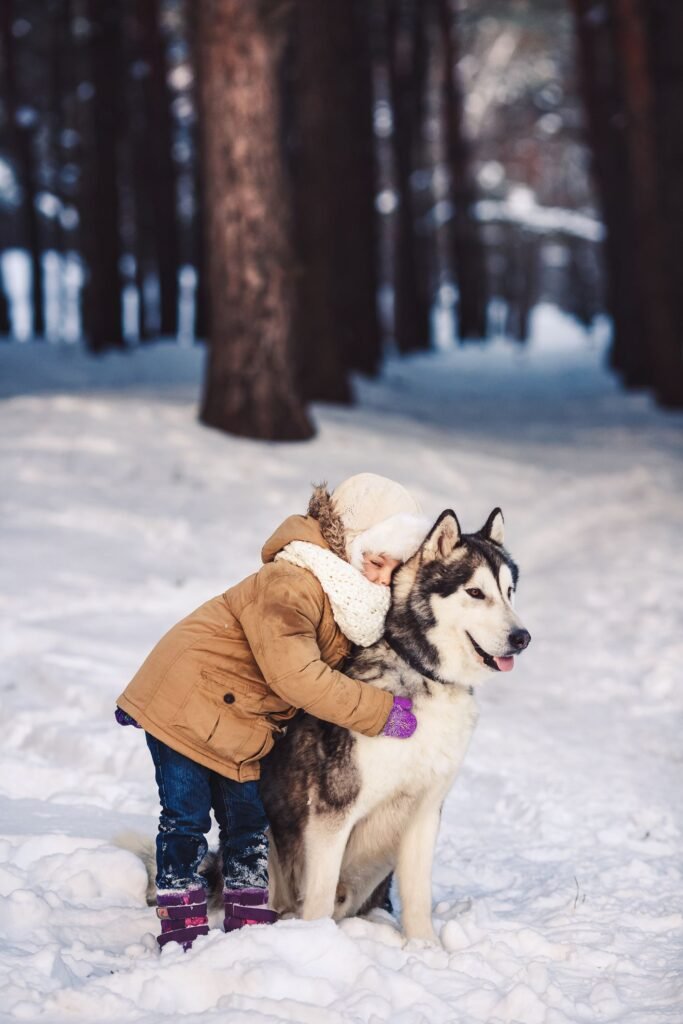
[346, 810]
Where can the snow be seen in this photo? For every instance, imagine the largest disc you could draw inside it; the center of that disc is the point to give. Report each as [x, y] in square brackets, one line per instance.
[521, 207]
[557, 884]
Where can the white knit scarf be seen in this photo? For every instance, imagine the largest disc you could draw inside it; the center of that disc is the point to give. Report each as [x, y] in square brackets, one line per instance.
[359, 606]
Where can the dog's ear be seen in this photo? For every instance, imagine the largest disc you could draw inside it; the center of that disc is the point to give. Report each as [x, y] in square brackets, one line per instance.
[494, 527]
[443, 537]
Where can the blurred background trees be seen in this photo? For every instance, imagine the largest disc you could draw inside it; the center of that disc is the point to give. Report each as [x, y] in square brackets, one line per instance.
[632, 67]
[309, 185]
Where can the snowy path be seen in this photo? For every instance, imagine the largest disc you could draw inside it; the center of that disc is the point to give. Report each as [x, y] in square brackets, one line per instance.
[557, 886]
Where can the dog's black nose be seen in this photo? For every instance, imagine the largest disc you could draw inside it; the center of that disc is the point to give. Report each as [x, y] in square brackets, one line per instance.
[519, 639]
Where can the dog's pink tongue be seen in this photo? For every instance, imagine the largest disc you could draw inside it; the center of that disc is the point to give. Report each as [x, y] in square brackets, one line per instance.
[505, 664]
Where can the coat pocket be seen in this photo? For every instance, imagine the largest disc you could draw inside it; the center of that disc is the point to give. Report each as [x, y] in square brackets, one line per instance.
[228, 733]
[197, 718]
[232, 741]
[243, 698]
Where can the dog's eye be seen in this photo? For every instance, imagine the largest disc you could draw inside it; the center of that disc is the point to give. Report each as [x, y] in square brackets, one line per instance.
[510, 593]
[476, 593]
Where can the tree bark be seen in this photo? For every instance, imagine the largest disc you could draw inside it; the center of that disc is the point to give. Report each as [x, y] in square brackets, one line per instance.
[58, 57]
[201, 293]
[5, 324]
[249, 386]
[102, 312]
[412, 298]
[333, 174]
[665, 29]
[662, 337]
[360, 282]
[22, 149]
[319, 227]
[643, 232]
[469, 265]
[161, 167]
[603, 104]
[520, 282]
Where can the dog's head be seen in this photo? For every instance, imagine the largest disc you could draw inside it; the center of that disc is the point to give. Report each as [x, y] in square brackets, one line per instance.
[452, 603]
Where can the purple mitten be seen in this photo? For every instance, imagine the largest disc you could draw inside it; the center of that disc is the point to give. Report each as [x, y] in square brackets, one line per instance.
[123, 718]
[401, 722]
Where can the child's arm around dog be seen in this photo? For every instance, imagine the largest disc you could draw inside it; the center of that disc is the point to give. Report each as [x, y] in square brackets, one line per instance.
[281, 625]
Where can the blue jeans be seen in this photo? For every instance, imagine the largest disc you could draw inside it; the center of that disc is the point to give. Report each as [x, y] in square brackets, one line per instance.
[188, 791]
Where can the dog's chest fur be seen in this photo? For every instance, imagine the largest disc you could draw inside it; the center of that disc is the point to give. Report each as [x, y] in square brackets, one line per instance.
[429, 760]
[397, 780]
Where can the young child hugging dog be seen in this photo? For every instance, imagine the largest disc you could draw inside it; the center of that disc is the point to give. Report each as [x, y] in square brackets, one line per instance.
[217, 689]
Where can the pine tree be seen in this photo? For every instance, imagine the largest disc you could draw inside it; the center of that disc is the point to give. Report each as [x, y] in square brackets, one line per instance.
[100, 207]
[249, 385]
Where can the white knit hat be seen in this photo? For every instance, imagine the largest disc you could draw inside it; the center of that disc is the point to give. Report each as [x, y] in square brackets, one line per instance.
[379, 515]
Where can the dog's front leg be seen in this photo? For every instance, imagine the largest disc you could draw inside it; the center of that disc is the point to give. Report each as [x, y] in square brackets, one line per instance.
[414, 871]
[325, 842]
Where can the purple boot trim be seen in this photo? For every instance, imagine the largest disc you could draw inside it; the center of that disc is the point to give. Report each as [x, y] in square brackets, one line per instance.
[183, 916]
[246, 906]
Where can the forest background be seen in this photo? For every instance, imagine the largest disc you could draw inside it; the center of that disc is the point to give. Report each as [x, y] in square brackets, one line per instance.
[308, 186]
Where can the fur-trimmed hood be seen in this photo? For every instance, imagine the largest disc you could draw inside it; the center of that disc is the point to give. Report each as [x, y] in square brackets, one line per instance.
[321, 508]
[322, 526]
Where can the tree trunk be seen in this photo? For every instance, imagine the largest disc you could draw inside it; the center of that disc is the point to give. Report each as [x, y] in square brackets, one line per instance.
[333, 174]
[5, 44]
[603, 104]
[58, 56]
[662, 338]
[143, 168]
[249, 387]
[412, 298]
[642, 242]
[143, 183]
[520, 283]
[665, 23]
[357, 255]
[469, 265]
[581, 280]
[201, 293]
[21, 147]
[5, 324]
[161, 167]
[318, 184]
[102, 312]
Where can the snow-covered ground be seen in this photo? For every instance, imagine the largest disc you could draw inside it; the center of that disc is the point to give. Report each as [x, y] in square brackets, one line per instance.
[557, 887]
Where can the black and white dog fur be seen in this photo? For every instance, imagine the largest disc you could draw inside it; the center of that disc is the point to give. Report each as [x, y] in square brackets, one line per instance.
[346, 810]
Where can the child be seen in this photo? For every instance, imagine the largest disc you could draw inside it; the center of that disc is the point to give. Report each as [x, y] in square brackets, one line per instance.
[219, 686]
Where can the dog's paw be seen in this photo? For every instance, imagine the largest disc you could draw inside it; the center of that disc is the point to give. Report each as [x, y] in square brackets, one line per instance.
[415, 943]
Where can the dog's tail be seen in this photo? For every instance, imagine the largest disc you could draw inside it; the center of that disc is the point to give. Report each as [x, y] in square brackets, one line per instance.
[144, 848]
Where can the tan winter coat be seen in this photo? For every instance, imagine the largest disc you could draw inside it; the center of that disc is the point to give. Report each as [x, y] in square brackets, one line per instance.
[219, 684]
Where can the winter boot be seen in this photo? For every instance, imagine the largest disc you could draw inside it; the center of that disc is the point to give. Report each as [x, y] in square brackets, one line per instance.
[183, 916]
[246, 906]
